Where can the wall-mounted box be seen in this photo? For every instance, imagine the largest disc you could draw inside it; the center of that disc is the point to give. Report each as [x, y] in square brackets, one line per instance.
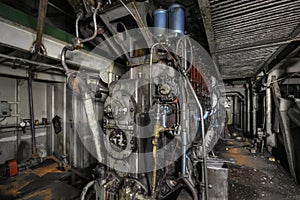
[5, 109]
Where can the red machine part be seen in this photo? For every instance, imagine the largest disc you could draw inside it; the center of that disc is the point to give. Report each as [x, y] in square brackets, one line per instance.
[12, 166]
[197, 81]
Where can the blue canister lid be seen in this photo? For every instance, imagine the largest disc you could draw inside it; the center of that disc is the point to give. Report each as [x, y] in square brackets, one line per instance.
[160, 11]
[176, 5]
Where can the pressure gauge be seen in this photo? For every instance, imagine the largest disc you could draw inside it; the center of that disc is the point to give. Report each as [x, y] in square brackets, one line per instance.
[22, 124]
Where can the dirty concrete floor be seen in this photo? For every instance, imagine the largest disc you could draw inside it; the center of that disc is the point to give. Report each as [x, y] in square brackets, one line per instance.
[255, 175]
[42, 183]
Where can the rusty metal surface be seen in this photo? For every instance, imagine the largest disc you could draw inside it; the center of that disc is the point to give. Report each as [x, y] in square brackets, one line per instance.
[255, 175]
[237, 24]
[41, 183]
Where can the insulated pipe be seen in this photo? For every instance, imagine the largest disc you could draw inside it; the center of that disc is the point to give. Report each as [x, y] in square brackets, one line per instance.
[93, 124]
[87, 99]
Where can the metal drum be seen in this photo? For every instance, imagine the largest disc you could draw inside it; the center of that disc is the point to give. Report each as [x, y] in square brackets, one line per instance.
[160, 21]
[176, 18]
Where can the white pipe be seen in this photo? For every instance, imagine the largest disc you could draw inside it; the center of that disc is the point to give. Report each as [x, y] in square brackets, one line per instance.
[93, 123]
[271, 137]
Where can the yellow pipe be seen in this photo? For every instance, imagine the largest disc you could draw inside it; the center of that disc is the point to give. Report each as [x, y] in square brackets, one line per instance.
[156, 134]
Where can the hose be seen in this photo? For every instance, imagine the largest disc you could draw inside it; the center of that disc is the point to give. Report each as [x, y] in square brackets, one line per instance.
[190, 186]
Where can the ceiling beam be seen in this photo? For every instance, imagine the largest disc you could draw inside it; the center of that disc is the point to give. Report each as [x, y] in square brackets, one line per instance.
[205, 10]
[204, 6]
[280, 53]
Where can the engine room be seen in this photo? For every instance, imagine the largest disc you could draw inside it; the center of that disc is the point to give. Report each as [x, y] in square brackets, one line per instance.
[121, 99]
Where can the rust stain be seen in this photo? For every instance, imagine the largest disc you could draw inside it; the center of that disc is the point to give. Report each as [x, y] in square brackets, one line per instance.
[20, 181]
[45, 194]
[46, 169]
[13, 187]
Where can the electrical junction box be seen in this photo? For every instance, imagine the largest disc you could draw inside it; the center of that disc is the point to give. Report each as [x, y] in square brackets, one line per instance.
[5, 109]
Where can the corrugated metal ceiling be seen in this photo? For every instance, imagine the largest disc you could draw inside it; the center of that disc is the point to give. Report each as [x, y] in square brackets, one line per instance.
[245, 32]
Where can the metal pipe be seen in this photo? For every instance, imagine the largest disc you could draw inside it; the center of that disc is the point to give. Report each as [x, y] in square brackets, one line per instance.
[254, 99]
[31, 110]
[79, 16]
[246, 110]
[65, 120]
[25, 61]
[184, 138]
[186, 70]
[243, 116]
[191, 188]
[271, 139]
[150, 71]
[95, 25]
[79, 41]
[205, 178]
[52, 116]
[63, 56]
[250, 109]
[40, 27]
[75, 117]
[85, 189]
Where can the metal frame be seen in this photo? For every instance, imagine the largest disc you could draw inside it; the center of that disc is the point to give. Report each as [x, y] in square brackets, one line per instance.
[282, 106]
[22, 38]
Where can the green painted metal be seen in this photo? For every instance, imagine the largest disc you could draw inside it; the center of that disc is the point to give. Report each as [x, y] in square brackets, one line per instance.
[21, 18]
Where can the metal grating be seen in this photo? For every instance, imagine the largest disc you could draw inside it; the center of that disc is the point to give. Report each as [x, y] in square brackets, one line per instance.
[241, 24]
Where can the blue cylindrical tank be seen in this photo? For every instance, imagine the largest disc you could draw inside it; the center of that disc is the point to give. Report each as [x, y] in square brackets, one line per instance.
[160, 21]
[176, 18]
